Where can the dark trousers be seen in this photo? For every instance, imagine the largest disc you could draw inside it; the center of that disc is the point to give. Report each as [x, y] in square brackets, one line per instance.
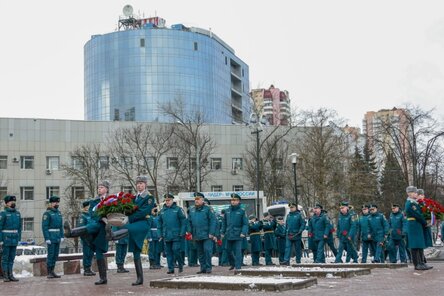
[205, 252]
[53, 254]
[289, 247]
[8, 258]
[348, 246]
[173, 254]
[281, 248]
[88, 255]
[319, 250]
[121, 251]
[234, 250]
[397, 245]
[154, 251]
[366, 246]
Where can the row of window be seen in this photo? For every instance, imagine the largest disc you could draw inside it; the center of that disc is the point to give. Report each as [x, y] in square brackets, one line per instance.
[78, 192]
[53, 162]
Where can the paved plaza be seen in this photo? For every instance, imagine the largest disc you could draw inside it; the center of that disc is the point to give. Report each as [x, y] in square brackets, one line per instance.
[404, 281]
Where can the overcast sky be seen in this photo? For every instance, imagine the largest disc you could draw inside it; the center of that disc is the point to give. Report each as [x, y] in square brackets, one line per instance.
[352, 56]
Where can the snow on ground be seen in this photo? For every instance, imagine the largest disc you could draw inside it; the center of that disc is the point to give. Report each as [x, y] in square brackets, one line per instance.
[237, 279]
[305, 269]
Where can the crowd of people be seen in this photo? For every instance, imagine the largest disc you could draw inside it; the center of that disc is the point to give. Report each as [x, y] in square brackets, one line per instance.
[200, 234]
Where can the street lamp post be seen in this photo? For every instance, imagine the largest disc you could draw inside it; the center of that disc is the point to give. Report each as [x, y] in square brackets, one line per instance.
[256, 125]
[197, 164]
[294, 159]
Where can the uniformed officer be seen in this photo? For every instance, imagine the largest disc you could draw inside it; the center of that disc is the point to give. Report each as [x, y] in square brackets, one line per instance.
[345, 231]
[155, 247]
[88, 253]
[52, 228]
[234, 229]
[397, 224]
[378, 231]
[138, 226]
[268, 227]
[190, 247]
[319, 227]
[10, 235]
[202, 226]
[223, 255]
[330, 240]
[94, 232]
[355, 218]
[363, 228]
[172, 228]
[280, 238]
[295, 225]
[254, 231]
[415, 229]
[428, 229]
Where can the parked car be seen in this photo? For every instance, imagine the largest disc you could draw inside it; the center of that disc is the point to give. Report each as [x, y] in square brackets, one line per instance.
[31, 250]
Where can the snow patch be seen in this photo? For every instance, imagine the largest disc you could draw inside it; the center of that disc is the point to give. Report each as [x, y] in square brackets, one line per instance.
[252, 280]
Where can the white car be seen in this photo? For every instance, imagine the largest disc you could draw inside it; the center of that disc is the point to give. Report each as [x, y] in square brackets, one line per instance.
[31, 250]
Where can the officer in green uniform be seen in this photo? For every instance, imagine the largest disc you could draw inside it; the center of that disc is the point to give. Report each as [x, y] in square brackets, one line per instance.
[295, 225]
[355, 218]
[223, 255]
[234, 229]
[397, 233]
[280, 238]
[94, 232]
[52, 228]
[254, 231]
[138, 226]
[155, 247]
[428, 229]
[10, 235]
[363, 229]
[319, 227]
[202, 226]
[415, 229]
[172, 228]
[191, 248]
[330, 240]
[88, 253]
[268, 227]
[378, 232]
[345, 231]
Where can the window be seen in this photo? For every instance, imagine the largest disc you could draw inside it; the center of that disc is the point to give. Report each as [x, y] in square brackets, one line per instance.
[216, 163]
[172, 163]
[27, 162]
[195, 45]
[237, 164]
[151, 189]
[127, 188]
[104, 162]
[3, 191]
[193, 163]
[216, 188]
[173, 189]
[77, 163]
[142, 42]
[226, 61]
[150, 161]
[26, 193]
[238, 187]
[52, 190]
[27, 224]
[242, 72]
[116, 115]
[52, 163]
[3, 162]
[127, 162]
[78, 192]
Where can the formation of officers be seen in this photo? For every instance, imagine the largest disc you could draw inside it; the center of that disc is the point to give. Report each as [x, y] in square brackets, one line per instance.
[201, 233]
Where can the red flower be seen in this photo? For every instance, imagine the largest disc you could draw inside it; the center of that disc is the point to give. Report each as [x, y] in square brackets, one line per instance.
[344, 232]
[219, 242]
[188, 236]
[310, 234]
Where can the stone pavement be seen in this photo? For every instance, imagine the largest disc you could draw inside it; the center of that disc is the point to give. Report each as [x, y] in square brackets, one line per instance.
[403, 282]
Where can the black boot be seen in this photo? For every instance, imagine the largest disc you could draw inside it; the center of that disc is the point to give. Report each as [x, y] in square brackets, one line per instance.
[52, 274]
[424, 260]
[115, 235]
[88, 272]
[139, 272]
[152, 266]
[121, 269]
[11, 276]
[6, 276]
[101, 265]
[74, 232]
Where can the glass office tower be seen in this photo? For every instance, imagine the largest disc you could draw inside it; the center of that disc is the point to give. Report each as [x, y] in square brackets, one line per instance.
[130, 73]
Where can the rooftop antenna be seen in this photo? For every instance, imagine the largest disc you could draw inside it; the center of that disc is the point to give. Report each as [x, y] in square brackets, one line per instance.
[128, 10]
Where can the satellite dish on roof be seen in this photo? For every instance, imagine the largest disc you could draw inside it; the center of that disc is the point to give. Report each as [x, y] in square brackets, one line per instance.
[128, 10]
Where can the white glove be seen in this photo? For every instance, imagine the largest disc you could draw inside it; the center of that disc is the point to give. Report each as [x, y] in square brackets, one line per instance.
[125, 220]
[48, 242]
[1, 243]
[150, 239]
[62, 239]
[105, 220]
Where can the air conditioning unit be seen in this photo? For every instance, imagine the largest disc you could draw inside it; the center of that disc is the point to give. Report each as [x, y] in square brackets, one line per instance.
[234, 172]
[48, 172]
[15, 160]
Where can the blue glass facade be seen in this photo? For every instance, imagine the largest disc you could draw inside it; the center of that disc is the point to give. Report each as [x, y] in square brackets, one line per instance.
[129, 74]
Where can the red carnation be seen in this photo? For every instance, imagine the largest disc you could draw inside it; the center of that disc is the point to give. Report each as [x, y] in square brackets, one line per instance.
[344, 232]
[188, 236]
[219, 242]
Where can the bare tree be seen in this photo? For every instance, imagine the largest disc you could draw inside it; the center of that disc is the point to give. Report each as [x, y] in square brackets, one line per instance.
[140, 149]
[192, 147]
[324, 153]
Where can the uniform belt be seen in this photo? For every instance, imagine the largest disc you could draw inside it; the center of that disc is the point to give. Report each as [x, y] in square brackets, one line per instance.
[411, 219]
[269, 231]
[54, 230]
[9, 231]
[255, 233]
[153, 228]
